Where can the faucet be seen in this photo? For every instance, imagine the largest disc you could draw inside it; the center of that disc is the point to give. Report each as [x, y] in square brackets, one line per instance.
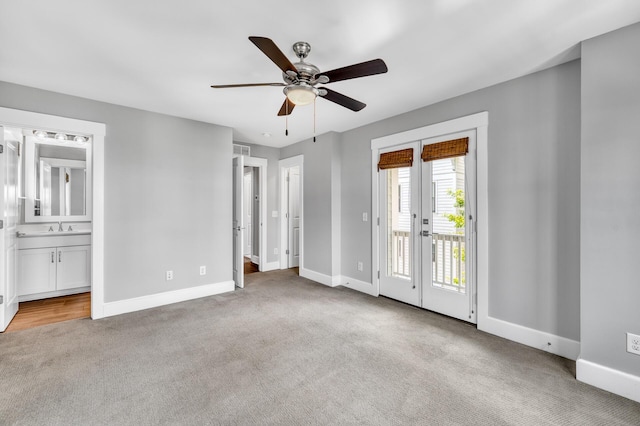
[60, 227]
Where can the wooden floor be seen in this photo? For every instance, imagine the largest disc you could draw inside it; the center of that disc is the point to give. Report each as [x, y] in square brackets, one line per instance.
[49, 311]
[249, 267]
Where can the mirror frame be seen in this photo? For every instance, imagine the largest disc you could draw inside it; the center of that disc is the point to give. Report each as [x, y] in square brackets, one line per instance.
[30, 185]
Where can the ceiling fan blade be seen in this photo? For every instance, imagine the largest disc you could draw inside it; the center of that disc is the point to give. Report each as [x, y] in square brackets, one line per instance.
[363, 69]
[270, 49]
[228, 86]
[343, 100]
[286, 107]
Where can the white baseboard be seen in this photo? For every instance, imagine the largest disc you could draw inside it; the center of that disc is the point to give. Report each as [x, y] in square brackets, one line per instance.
[358, 285]
[562, 346]
[606, 378]
[166, 298]
[270, 266]
[331, 281]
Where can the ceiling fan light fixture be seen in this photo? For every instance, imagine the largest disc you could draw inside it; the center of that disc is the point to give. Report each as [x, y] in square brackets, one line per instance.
[301, 95]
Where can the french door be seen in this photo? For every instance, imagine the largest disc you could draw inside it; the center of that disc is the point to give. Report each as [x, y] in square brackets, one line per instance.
[427, 212]
[399, 244]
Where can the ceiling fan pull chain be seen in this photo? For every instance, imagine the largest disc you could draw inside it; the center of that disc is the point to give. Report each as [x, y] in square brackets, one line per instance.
[314, 120]
[286, 118]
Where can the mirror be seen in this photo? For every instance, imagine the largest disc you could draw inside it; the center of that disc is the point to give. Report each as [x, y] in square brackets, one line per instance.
[58, 180]
[61, 188]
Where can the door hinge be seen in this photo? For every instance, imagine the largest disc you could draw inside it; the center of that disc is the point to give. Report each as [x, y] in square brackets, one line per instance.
[18, 149]
[378, 274]
[1, 224]
[1, 300]
[378, 221]
[1, 149]
[287, 252]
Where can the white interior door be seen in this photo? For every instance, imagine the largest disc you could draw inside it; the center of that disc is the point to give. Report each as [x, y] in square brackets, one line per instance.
[448, 213]
[9, 209]
[238, 221]
[399, 245]
[294, 217]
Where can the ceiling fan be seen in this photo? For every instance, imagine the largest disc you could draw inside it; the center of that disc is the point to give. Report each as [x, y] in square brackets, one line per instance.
[301, 78]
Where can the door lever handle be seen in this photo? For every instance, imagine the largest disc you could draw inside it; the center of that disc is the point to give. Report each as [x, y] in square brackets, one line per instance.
[425, 234]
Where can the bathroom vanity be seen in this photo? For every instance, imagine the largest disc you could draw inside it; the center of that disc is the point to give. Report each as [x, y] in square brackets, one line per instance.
[53, 264]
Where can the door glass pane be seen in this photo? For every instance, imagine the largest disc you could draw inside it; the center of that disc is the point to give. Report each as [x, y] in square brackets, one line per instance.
[449, 252]
[398, 204]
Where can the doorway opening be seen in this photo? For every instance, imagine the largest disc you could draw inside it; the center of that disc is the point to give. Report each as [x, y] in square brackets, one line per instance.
[291, 213]
[52, 207]
[251, 212]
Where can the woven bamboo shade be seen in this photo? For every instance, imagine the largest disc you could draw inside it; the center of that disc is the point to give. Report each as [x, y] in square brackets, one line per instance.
[447, 149]
[396, 159]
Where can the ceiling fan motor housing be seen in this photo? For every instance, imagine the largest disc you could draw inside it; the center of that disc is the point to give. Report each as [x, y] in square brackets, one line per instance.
[305, 73]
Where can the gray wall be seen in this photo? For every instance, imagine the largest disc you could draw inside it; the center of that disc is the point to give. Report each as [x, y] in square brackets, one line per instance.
[167, 193]
[610, 198]
[534, 194]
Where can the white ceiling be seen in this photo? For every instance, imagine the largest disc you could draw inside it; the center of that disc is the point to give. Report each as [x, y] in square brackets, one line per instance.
[163, 55]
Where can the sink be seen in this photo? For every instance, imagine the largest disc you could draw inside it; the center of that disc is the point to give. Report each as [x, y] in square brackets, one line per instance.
[52, 233]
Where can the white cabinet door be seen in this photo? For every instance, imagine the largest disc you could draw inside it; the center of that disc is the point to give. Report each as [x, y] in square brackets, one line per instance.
[37, 271]
[74, 268]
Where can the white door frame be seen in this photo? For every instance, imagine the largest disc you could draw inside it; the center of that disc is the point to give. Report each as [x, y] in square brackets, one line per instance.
[97, 131]
[479, 123]
[283, 165]
[261, 164]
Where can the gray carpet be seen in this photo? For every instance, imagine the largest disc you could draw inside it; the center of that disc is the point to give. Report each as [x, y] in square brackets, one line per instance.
[286, 350]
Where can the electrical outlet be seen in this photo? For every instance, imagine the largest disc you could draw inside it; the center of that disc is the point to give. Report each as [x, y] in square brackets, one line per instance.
[275, 250]
[633, 344]
[169, 275]
[365, 217]
[360, 266]
[203, 270]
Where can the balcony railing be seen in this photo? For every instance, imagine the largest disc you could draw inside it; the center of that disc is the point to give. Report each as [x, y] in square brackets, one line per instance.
[401, 254]
[448, 259]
